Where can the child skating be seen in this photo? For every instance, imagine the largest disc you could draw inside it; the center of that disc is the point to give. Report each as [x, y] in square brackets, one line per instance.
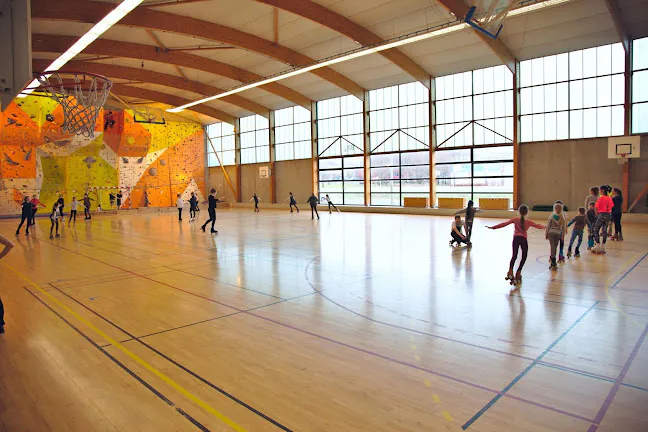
[86, 207]
[603, 207]
[579, 222]
[35, 202]
[74, 205]
[561, 245]
[591, 221]
[256, 200]
[456, 232]
[313, 205]
[54, 219]
[521, 226]
[179, 205]
[555, 232]
[617, 212]
[293, 202]
[212, 211]
[26, 215]
[469, 211]
[330, 204]
[193, 205]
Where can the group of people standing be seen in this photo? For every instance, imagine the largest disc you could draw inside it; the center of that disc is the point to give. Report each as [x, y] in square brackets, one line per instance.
[312, 201]
[603, 205]
[30, 206]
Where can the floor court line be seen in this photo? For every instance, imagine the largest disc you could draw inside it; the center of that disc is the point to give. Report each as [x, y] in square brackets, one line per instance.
[188, 395]
[371, 353]
[122, 366]
[180, 365]
[617, 384]
[280, 323]
[475, 417]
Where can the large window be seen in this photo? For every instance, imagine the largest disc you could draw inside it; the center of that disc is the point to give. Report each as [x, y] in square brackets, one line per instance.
[222, 139]
[640, 86]
[255, 139]
[292, 133]
[474, 154]
[340, 148]
[399, 120]
[573, 95]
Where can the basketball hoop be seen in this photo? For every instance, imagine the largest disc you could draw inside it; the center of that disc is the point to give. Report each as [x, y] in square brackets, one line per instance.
[487, 16]
[82, 95]
[623, 158]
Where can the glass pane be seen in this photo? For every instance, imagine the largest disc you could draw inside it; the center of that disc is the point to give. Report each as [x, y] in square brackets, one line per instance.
[493, 169]
[618, 90]
[538, 127]
[415, 172]
[550, 69]
[589, 93]
[604, 91]
[604, 60]
[391, 173]
[562, 125]
[525, 73]
[550, 97]
[618, 58]
[329, 187]
[562, 96]
[640, 57]
[421, 186]
[453, 171]
[212, 161]
[538, 100]
[526, 128]
[442, 156]
[385, 199]
[617, 120]
[330, 175]
[526, 100]
[384, 160]
[589, 123]
[576, 124]
[640, 117]
[418, 158]
[354, 174]
[604, 122]
[576, 95]
[493, 185]
[354, 162]
[576, 65]
[353, 198]
[385, 186]
[538, 71]
[589, 62]
[354, 186]
[330, 163]
[550, 126]
[639, 86]
[562, 67]
[493, 153]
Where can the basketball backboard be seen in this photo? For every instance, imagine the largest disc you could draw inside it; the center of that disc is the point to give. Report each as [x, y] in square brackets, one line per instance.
[15, 49]
[624, 148]
[487, 16]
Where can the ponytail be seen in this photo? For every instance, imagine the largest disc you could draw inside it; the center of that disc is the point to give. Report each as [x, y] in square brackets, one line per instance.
[523, 210]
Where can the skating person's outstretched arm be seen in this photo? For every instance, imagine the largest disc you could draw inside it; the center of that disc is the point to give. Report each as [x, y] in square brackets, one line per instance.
[530, 223]
[8, 245]
[502, 225]
[462, 211]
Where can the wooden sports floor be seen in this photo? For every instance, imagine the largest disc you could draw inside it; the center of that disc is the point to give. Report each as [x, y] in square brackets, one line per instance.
[357, 322]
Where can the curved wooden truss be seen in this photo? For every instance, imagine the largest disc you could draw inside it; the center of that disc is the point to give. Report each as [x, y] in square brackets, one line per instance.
[341, 24]
[146, 76]
[146, 18]
[107, 47]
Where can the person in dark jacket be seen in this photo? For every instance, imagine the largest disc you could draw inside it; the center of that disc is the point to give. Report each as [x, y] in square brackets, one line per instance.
[193, 204]
[26, 215]
[617, 212]
[313, 205]
[212, 211]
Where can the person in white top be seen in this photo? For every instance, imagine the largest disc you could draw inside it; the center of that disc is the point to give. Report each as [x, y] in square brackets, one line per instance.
[74, 205]
[180, 205]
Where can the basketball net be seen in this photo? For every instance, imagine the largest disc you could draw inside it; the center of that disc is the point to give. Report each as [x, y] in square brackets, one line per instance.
[81, 95]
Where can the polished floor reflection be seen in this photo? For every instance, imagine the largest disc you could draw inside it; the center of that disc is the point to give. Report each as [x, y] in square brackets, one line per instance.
[356, 322]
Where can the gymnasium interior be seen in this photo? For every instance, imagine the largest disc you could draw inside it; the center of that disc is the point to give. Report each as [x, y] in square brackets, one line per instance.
[379, 122]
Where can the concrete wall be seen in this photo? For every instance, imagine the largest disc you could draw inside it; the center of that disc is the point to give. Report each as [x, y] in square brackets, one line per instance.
[296, 177]
[251, 183]
[216, 179]
[565, 170]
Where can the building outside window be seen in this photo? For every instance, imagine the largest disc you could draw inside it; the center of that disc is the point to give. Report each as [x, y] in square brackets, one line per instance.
[340, 148]
[222, 138]
[400, 141]
[292, 133]
[255, 139]
[574, 95]
[474, 124]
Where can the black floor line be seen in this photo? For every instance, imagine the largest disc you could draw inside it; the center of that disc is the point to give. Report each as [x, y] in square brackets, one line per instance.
[179, 365]
[126, 369]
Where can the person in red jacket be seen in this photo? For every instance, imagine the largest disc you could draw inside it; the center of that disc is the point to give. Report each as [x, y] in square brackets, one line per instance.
[603, 215]
[35, 202]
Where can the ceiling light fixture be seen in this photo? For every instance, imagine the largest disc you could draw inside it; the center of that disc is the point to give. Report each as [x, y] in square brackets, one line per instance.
[93, 34]
[361, 52]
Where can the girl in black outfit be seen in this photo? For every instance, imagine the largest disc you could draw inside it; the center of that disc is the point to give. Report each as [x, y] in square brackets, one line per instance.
[256, 200]
[61, 203]
[119, 199]
[193, 203]
[26, 215]
[293, 202]
[212, 211]
[313, 205]
[617, 212]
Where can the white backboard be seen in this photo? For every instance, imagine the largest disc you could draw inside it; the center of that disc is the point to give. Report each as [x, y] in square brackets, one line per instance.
[625, 146]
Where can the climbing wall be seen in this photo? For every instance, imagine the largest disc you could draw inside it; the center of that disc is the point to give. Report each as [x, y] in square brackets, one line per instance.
[37, 157]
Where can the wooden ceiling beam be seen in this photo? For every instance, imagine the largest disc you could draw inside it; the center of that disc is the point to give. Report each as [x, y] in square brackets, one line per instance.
[619, 24]
[459, 8]
[59, 44]
[146, 76]
[317, 13]
[146, 18]
[172, 100]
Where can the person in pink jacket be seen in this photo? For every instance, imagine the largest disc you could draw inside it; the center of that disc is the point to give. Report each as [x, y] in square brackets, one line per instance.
[521, 225]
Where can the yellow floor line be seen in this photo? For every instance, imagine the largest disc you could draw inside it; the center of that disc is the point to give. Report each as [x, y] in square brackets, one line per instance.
[186, 393]
[447, 416]
[436, 398]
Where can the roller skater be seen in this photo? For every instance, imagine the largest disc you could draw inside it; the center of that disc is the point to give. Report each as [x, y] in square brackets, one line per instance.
[555, 232]
[521, 225]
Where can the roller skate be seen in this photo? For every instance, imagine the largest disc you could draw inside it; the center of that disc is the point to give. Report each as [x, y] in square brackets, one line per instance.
[518, 277]
[614, 237]
[577, 253]
[620, 237]
[509, 277]
[554, 265]
[569, 254]
[599, 249]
